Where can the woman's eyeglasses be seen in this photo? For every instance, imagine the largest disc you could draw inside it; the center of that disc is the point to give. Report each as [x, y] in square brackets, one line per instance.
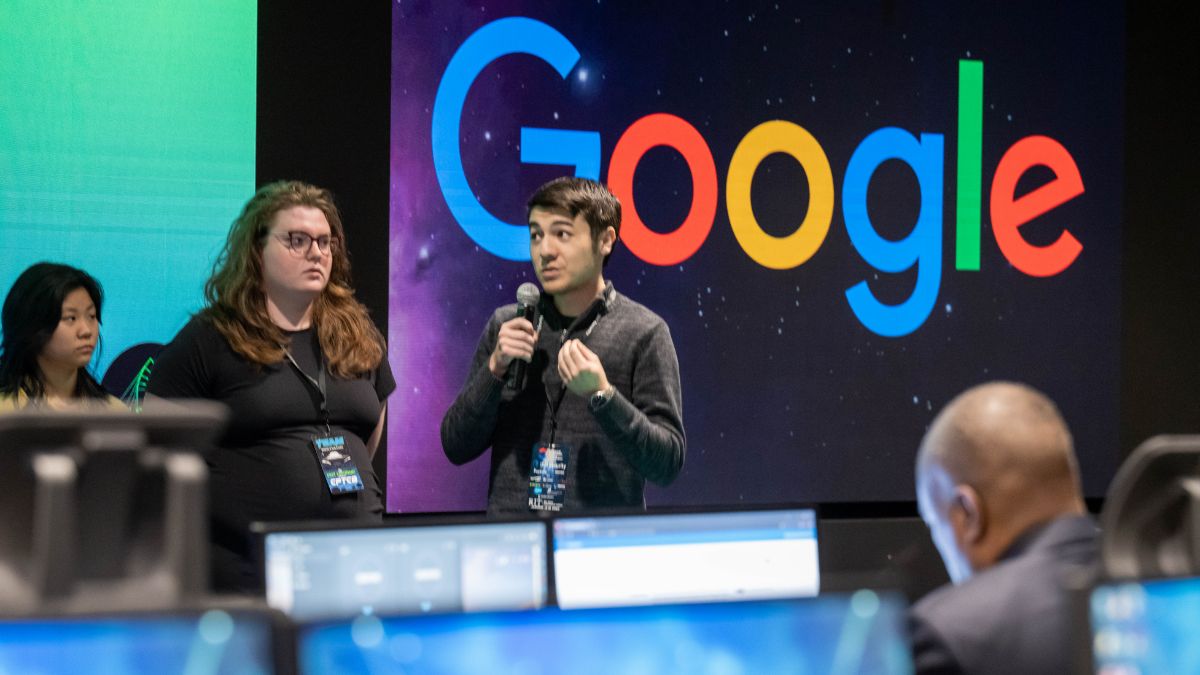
[299, 243]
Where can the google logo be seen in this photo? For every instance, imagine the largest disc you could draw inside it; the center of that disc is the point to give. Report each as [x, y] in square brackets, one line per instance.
[923, 154]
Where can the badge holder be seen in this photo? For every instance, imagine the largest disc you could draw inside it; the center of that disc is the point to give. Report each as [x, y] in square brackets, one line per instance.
[341, 474]
[548, 476]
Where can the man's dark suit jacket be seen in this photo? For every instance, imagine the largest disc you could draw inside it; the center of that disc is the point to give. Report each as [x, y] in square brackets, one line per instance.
[1013, 617]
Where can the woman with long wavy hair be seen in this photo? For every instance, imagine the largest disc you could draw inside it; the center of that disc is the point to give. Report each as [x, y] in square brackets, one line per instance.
[283, 342]
[51, 321]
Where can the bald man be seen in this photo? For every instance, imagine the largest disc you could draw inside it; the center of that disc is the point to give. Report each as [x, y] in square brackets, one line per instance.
[998, 486]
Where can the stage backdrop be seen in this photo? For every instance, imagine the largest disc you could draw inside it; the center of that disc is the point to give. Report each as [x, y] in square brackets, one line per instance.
[847, 214]
[126, 148]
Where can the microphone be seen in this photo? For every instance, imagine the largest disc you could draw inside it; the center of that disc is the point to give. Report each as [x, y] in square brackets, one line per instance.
[527, 300]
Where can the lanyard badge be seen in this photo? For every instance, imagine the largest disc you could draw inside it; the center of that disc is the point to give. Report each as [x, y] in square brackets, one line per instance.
[548, 476]
[548, 468]
[341, 474]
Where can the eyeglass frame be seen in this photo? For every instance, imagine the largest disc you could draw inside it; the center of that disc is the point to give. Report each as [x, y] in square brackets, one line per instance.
[331, 242]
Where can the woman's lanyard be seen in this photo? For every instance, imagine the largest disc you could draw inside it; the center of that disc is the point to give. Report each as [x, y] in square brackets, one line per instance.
[562, 391]
[318, 384]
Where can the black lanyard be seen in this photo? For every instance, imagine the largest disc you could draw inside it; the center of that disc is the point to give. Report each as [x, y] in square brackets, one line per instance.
[562, 391]
[318, 383]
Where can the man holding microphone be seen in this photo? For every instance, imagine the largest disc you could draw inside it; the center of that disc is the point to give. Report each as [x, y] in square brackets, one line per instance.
[579, 401]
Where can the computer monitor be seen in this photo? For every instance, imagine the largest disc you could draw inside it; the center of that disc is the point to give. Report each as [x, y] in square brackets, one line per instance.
[1146, 627]
[685, 557]
[322, 571]
[1151, 516]
[192, 641]
[839, 634]
[105, 509]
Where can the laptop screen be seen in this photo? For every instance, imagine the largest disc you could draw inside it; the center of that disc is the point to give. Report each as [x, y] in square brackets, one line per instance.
[214, 641]
[845, 634]
[685, 557]
[406, 570]
[1146, 627]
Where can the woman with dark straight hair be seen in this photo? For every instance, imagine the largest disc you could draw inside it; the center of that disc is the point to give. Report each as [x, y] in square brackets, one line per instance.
[51, 321]
[283, 342]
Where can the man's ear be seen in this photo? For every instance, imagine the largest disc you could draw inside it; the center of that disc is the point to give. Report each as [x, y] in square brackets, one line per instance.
[607, 238]
[968, 516]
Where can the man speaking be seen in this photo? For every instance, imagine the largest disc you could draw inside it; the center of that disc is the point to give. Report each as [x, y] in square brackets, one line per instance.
[576, 393]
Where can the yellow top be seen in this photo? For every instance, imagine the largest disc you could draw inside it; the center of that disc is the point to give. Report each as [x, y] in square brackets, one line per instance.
[21, 402]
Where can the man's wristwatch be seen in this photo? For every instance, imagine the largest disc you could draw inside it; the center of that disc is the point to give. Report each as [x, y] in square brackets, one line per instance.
[600, 398]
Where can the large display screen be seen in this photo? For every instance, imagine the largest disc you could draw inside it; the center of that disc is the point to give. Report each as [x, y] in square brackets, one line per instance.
[127, 146]
[860, 633]
[214, 642]
[846, 213]
[1146, 627]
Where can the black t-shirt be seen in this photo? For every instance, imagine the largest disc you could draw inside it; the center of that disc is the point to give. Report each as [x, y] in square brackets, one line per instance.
[266, 468]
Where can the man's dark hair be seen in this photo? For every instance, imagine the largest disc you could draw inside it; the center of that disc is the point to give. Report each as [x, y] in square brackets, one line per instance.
[574, 196]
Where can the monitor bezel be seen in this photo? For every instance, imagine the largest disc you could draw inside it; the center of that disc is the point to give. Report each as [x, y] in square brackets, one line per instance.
[261, 530]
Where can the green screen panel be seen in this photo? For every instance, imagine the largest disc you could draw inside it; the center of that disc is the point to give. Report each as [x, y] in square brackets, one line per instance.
[127, 135]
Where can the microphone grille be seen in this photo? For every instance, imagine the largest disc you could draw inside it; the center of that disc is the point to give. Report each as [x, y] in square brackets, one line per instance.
[528, 294]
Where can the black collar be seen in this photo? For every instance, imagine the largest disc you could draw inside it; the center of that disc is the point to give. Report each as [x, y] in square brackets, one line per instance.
[1050, 534]
[603, 304]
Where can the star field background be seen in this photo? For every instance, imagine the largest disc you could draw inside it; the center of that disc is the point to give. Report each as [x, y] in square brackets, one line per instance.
[787, 397]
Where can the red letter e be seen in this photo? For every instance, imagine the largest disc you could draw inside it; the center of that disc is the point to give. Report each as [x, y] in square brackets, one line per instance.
[1009, 213]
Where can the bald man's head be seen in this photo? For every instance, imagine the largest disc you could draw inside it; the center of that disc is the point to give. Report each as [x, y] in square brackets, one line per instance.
[996, 461]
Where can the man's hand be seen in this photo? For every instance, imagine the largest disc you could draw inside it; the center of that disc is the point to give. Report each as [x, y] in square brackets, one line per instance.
[580, 369]
[515, 341]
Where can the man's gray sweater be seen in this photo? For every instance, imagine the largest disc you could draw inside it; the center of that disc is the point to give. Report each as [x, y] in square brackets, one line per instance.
[636, 436]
